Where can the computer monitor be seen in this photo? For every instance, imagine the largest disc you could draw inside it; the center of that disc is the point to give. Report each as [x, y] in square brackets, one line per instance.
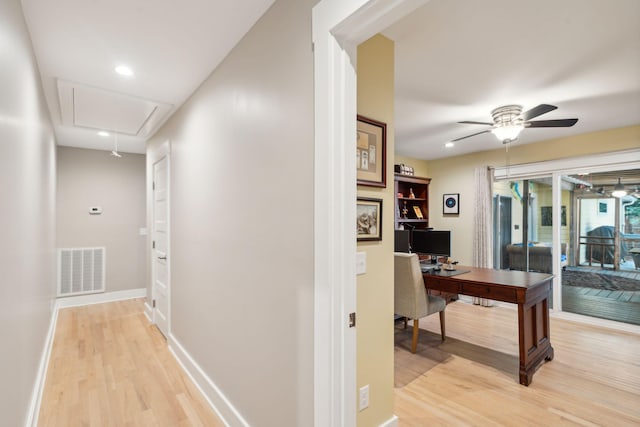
[402, 240]
[435, 242]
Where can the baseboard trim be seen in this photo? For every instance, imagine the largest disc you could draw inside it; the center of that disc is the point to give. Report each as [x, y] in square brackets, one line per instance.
[38, 388]
[213, 395]
[74, 301]
[89, 299]
[391, 422]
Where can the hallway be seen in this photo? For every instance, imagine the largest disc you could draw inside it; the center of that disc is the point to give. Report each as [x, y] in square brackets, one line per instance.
[110, 367]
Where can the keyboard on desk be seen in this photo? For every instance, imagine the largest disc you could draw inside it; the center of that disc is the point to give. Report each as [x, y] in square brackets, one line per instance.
[426, 267]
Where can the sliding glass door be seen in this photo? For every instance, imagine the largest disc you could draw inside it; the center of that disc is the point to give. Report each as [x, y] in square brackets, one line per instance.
[593, 250]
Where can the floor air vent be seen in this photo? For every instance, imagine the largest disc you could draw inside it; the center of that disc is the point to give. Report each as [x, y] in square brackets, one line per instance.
[81, 270]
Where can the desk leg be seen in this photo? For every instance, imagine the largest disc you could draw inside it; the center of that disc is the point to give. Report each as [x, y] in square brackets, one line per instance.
[534, 340]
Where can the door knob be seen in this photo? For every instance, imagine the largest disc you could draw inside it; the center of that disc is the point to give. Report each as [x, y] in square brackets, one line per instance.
[162, 257]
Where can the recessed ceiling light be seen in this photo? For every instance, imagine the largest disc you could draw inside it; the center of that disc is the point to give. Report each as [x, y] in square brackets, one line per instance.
[103, 133]
[449, 144]
[123, 70]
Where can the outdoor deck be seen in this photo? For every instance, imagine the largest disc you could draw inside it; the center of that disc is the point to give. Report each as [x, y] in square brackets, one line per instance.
[618, 305]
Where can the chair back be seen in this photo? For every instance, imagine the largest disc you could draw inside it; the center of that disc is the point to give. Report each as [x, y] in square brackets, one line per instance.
[410, 296]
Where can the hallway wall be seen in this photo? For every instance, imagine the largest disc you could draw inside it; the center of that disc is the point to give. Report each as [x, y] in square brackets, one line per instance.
[95, 178]
[27, 215]
[242, 161]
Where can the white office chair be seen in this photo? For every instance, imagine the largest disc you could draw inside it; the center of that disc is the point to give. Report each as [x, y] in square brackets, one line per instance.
[410, 296]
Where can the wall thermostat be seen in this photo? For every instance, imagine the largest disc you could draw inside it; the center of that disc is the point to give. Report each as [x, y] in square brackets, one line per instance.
[95, 210]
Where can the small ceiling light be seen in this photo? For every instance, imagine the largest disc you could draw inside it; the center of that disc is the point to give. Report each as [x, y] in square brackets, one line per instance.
[618, 190]
[449, 144]
[123, 70]
[103, 133]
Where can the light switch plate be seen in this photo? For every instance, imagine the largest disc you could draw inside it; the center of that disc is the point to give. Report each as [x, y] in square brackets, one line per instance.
[361, 262]
[364, 397]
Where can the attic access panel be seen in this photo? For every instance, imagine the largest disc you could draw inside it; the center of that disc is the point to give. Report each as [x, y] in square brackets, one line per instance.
[89, 107]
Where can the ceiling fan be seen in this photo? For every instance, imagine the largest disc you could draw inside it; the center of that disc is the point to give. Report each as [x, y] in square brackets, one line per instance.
[509, 121]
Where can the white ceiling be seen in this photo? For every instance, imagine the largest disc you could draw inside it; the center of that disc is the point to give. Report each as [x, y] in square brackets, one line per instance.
[459, 59]
[172, 46]
[455, 60]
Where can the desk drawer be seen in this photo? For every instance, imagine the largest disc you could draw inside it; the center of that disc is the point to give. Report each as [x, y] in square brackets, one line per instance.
[498, 293]
[442, 285]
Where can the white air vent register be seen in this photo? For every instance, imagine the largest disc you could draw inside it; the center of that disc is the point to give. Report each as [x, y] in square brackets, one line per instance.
[81, 270]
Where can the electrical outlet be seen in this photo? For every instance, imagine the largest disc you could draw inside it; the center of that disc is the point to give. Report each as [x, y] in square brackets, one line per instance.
[364, 397]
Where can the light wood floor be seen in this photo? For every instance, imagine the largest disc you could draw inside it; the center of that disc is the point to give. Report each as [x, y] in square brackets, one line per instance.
[110, 367]
[472, 378]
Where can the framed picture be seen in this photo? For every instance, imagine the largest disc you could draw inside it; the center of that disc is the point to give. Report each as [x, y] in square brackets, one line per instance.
[418, 212]
[602, 208]
[451, 203]
[371, 152]
[369, 219]
[547, 216]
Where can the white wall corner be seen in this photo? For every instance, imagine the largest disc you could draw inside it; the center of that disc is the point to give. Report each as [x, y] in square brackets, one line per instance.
[212, 394]
[89, 299]
[391, 422]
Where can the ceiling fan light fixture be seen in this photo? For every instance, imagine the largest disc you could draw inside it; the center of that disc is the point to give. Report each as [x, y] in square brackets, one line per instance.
[508, 132]
[618, 190]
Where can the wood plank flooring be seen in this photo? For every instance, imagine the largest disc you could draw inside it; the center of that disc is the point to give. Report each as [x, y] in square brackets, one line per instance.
[471, 379]
[618, 305]
[110, 367]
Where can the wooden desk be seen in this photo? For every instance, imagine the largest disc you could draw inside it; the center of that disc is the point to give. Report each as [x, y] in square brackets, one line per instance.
[529, 290]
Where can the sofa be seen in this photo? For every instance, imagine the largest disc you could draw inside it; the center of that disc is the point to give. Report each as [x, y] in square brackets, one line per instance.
[540, 257]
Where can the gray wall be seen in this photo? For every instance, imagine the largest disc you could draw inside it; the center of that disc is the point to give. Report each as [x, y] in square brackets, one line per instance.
[95, 178]
[242, 221]
[27, 194]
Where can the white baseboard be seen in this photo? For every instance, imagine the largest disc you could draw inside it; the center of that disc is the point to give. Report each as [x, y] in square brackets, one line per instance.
[391, 422]
[100, 298]
[38, 388]
[214, 396]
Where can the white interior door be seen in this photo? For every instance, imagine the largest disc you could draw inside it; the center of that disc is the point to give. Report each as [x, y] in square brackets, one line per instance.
[160, 251]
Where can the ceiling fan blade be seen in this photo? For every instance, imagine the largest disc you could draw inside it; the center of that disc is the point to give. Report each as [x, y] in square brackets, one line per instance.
[468, 122]
[562, 123]
[537, 111]
[469, 136]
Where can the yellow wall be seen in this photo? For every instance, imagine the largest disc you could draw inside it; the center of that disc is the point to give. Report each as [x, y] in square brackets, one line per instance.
[420, 167]
[455, 175]
[375, 288]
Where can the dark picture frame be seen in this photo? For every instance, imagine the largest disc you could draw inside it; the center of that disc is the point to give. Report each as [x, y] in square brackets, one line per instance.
[371, 152]
[546, 216]
[369, 219]
[451, 203]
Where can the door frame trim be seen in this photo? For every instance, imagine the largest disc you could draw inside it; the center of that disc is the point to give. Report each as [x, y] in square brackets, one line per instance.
[153, 156]
[338, 26]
